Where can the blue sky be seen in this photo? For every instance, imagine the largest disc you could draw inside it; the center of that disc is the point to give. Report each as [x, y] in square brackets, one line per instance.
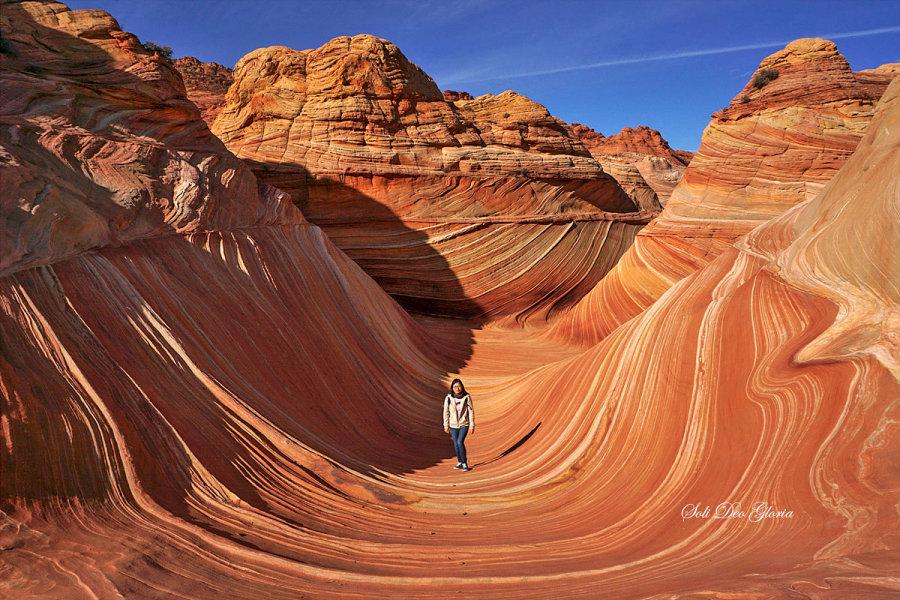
[668, 64]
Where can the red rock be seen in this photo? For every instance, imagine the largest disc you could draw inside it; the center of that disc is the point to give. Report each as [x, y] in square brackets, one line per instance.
[395, 174]
[639, 159]
[102, 148]
[637, 140]
[358, 106]
[453, 96]
[206, 84]
[684, 156]
[756, 160]
[236, 409]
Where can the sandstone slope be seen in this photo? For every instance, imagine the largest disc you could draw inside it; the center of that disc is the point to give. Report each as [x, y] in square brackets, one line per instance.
[174, 334]
[770, 149]
[480, 198]
[241, 412]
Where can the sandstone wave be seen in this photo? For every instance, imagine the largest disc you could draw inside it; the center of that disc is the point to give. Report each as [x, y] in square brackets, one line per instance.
[773, 147]
[204, 397]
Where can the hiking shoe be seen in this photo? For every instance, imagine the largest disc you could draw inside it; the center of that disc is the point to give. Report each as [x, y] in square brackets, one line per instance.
[458, 466]
[465, 467]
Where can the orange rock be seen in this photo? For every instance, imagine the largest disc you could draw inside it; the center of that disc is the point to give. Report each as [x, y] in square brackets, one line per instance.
[238, 410]
[101, 147]
[372, 152]
[756, 160]
[453, 96]
[206, 84]
[359, 106]
[639, 159]
[637, 140]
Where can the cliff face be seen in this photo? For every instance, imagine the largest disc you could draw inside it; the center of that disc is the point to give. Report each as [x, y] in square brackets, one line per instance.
[638, 158]
[99, 146]
[228, 406]
[631, 140]
[771, 148]
[372, 152]
[359, 106]
[205, 84]
[453, 96]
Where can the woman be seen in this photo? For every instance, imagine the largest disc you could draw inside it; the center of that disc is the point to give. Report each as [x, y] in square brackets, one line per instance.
[459, 419]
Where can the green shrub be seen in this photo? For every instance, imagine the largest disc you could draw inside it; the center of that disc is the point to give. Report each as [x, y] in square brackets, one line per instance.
[745, 98]
[6, 47]
[764, 77]
[152, 47]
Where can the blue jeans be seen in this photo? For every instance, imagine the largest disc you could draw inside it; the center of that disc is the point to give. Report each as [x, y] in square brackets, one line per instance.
[458, 436]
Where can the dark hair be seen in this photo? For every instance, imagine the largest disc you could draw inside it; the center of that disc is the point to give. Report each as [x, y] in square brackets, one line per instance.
[452, 383]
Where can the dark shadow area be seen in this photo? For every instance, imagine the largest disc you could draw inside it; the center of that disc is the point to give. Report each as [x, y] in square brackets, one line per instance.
[394, 254]
[382, 245]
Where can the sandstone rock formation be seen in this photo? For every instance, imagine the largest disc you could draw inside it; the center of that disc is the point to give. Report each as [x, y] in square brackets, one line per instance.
[888, 70]
[784, 144]
[358, 103]
[205, 83]
[770, 149]
[421, 191]
[453, 96]
[109, 150]
[230, 407]
[639, 159]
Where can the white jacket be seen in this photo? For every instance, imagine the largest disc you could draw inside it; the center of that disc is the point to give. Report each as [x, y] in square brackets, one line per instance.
[466, 415]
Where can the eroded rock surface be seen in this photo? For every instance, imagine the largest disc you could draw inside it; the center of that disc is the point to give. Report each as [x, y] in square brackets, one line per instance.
[480, 197]
[206, 84]
[224, 404]
[640, 160]
[770, 149]
[99, 146]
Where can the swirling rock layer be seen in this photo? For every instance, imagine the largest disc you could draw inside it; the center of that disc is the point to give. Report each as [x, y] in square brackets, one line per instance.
[244, 413]
[463, 207]
[99, 145]
[771, 148]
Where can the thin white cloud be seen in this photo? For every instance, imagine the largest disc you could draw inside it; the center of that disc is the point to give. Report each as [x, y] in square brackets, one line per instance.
[677, 55]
